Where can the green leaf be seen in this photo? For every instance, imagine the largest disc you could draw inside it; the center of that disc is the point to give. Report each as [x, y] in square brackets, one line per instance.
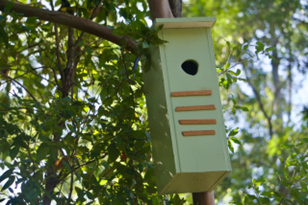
[8, 183]
[270, 49]
[227, 65]
[14, 151]
[305, 140]
[229, 78]
[264, 200]
[259, 47]
[243, 79]
[113, 152]
[251, 197]
[235, 203]
[245, 109]
[287, 146]
[66, 165]
[230, 146]
[288, 163]
[90, 195]
[234, 132]
[8, 7]
[103, 94]
[145, 44]
[245, 47]
[3, 36]
[42, 151]
[228, 43]
[258, 182]
[235, 140]
[26, 28]
[238, 72]
[67, 114]
[260, 44]
[6, 174]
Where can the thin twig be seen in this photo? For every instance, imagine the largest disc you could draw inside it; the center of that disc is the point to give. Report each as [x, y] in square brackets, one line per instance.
[79, 167]
[72, 174]
[55, 76]
[93, 15]
[22, 87]
[13, 108]
[71, 184]
[258, 97]
[26, 72]
[128, 80]
[30, 156]
[57, 45]
[29, 46]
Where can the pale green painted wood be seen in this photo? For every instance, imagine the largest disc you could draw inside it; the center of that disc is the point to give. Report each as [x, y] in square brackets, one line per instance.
[185, 164]
[163, 149]
[195, 22]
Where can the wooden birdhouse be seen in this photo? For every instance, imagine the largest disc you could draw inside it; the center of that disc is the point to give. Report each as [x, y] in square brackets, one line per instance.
[185, 115]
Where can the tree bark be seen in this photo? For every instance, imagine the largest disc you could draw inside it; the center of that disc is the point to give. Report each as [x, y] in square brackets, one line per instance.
[204, 198]
[176, 7]
[81, 24]
[160, 9]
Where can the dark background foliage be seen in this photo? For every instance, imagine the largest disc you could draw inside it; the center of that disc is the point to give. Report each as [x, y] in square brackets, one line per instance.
[91, 144]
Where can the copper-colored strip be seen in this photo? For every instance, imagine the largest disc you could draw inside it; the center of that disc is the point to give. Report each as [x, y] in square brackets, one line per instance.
[196, 107]
[191, 93]
[198, 122]
[199, 132]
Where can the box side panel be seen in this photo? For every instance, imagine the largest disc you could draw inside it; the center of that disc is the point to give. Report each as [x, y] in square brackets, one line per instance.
[196, 153]
[219, 107]
[159, 121]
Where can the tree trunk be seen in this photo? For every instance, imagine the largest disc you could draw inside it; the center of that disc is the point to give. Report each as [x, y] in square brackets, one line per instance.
[204, 198]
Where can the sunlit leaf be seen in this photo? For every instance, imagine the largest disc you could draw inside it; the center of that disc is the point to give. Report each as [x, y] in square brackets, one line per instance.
[9, 182]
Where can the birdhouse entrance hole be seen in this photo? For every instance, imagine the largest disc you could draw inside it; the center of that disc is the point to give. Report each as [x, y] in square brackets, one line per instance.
[190, 67]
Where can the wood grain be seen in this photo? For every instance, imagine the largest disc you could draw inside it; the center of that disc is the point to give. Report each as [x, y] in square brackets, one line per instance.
[198, 122]
[199, 133]
[195, 108]
[191, 93]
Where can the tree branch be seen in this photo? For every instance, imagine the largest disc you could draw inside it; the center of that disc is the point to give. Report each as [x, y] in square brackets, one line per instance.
[94, 14]
[58, 51]
[176, 7]
[204, 198]
[12, 79]
[160, 9]
[81, 24]
[258, 97]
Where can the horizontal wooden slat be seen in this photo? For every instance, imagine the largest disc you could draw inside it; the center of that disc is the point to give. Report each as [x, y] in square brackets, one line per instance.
[198, 122]
[191, 93]
[195, 107]
[199, 132]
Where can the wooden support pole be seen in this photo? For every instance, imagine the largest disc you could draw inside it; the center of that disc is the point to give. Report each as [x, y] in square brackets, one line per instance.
[204, 198]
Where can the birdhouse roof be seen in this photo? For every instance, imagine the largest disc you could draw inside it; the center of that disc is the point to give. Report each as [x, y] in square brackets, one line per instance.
[195, 22]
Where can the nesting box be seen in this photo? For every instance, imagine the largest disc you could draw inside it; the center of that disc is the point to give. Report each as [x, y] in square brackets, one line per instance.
[185, 115]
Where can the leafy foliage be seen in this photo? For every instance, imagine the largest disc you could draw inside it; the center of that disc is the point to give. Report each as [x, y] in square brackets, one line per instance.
[92, 146]
[266, 47]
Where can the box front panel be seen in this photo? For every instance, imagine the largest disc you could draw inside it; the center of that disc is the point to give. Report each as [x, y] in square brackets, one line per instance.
[195, 101]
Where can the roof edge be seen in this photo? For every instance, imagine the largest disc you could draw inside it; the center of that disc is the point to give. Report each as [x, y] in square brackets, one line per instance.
[194, 22]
